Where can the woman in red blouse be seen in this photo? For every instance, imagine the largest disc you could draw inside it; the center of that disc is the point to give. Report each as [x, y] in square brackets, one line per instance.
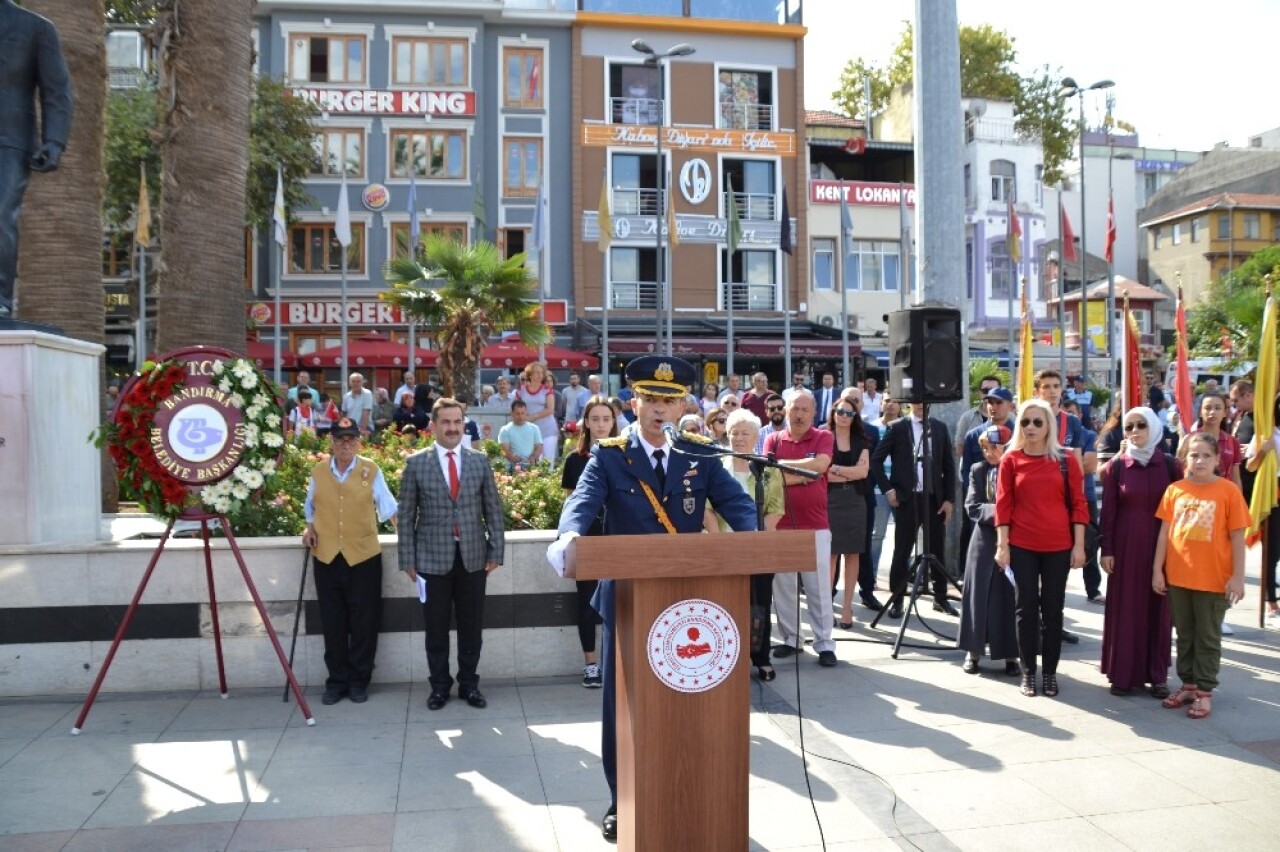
[1040, 518]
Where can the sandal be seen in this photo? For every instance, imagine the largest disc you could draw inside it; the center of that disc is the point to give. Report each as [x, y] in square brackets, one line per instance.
[1029, 684]
[846, 625]
[1050, 688]
[766, 673]
[1202, 706]
[1184, 696]
[1159, 690]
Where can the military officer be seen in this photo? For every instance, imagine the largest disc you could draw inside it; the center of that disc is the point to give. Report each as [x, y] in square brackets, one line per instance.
[646, 488]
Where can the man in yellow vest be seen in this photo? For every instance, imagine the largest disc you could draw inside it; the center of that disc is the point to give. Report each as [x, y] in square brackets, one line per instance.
[346, 499]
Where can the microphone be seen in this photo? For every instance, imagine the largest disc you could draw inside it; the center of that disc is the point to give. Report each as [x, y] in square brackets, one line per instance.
[674, 435]
[670, 431]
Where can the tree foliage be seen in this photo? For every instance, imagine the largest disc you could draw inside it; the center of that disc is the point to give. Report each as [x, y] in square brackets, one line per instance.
[1232, 307]
[987, 59]
[464, 293]
[130, 11]
[131, 118]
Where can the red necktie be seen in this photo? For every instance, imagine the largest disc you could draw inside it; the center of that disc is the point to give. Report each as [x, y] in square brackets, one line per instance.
[454, 486]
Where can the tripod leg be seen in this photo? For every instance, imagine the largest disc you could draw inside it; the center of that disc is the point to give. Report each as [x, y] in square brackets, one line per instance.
[297, 617]
[919, 577]
[120, 632]
[213, 602]
[266, 622]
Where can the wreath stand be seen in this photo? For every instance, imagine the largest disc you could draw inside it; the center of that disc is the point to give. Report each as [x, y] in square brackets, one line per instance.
[204, 519]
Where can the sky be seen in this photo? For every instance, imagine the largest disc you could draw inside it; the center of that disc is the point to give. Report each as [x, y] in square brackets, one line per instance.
[1188, 75]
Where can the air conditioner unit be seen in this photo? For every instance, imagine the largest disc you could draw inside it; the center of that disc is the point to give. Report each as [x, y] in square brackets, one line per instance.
[833, 321]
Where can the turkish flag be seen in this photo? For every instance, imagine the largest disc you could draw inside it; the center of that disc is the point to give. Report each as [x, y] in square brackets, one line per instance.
[1109, 252]
[1068, 236]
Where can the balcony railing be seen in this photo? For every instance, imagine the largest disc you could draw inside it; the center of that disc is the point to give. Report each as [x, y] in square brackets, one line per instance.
[990, 130]
[750, 297]
[753, 205]
[746, 116]
[639, 202]
[759, 11]
[634, 295]
[635, 111]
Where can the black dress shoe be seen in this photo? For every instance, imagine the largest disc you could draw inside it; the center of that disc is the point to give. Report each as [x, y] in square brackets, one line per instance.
[359, 693]
[970, 665]
[870, 602]
[475, 699]
[1070, 638]
[783, 651]
[944, 606]
[333, 693]
[437, 699]
[609, 825]
[895, 611]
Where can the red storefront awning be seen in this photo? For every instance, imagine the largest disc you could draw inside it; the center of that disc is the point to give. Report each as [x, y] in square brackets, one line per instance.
[264, 355]
[514, 354]
[714, 347]
[371, 350]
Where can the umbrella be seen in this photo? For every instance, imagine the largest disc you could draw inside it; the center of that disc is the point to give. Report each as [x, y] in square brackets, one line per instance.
[264, 355]
[371, 350]
[513, 353]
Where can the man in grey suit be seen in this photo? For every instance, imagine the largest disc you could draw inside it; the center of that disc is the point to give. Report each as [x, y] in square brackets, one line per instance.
[450, 534]
[30, 60]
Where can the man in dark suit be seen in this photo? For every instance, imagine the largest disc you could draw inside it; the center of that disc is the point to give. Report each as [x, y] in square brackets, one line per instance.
[30, 60]
[915, 501]
[823, 397]
[625, 476]
[451, 535]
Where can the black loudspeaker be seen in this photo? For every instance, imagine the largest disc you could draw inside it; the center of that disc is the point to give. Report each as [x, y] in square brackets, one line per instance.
[924, 355]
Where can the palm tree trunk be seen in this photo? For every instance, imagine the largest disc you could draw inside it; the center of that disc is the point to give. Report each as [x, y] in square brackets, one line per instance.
[60, 252]
[205, 71]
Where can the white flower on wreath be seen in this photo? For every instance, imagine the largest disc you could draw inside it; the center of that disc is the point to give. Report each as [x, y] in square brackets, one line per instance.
[240, 492]
[250, 381]
[219, 367]
[273, 420]
[273, 439]
[225, 384]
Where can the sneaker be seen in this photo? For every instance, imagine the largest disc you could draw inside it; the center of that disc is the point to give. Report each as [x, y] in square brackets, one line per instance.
[591, 676]
[1226, 630]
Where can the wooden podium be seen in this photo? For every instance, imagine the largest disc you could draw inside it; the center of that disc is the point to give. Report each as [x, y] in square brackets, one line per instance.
[684, 756]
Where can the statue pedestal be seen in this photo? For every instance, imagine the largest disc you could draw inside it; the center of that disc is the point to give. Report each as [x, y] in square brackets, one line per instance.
[50, 473]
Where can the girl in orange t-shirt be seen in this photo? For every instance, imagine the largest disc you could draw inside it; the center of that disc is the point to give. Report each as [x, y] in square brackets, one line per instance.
[1199, 564]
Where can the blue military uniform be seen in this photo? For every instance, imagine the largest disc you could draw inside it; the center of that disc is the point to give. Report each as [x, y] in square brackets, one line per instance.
[613, 480]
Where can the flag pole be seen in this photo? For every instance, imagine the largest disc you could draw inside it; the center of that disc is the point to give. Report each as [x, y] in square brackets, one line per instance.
[280, 235]
[604, 223]
[342, 231]
[784, 244]
[731, 209]
[415, 236]
[845, 225]
[1062, 293]
[141, 236]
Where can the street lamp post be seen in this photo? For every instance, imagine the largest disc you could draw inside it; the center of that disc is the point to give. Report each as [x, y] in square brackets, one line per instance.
[1072, 89]
[663, 298]
[1111, 266]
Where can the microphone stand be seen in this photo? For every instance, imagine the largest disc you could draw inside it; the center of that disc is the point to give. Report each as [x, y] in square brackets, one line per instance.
[757, 462]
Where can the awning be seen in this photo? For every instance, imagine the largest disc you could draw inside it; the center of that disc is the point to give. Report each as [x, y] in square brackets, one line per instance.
[514, 354]
[371, 350]
[715, 347]
[264, 355]
[800, 348]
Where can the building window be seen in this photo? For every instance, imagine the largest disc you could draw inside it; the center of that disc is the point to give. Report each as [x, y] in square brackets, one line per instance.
[327, 59]
[824, 265]
[968, 268]
[522, 167]
[1002, 180]
[512, 241]
[753, 188]
[1275, 228]
[873, 265]
[634, 182]
[522, 77]
[1197, 227]
[752, 276]
[633, 278]
[634, 95]
[1001, 270]
[314, 249]
[1177, 233]
[331, 149]
[1039, 186]
[433, 153]
[456, 231]
[430, 62]
[1157, 236]
[1224, 226]
[746, 100]
[117, 254]
[1252, 226]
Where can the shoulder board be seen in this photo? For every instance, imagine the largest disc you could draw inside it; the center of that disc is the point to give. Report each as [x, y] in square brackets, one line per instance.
[620, 441]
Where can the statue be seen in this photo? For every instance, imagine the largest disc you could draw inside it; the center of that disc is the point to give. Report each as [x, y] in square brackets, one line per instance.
[30, 60]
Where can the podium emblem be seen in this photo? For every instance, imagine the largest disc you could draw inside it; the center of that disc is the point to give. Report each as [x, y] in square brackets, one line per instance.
[693, 645]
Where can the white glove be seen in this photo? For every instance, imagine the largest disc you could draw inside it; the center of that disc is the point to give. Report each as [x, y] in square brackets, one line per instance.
[555, 552]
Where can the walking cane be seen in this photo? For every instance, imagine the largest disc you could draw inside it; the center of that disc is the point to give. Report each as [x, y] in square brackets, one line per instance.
[297, 616]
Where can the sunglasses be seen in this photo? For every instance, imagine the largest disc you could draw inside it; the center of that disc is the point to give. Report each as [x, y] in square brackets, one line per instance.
[776, 408]
[730, 405]
[844, 412]
[1031, 421]
[719, 421]
[1129, 427]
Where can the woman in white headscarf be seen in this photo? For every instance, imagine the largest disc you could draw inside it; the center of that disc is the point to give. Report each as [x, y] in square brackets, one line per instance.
[1137, 633]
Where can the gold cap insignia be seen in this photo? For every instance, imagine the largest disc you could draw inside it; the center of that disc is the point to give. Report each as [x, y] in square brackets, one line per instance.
[664, 373]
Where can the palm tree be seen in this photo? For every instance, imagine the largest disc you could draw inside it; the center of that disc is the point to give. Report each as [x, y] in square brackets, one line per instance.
[465, 293]
[205, 70]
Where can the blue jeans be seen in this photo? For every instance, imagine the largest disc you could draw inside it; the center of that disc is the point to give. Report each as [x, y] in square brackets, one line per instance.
[14, 171]
[869, 566]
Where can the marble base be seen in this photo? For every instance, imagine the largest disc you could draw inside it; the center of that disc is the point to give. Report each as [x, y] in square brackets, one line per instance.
[50, 475]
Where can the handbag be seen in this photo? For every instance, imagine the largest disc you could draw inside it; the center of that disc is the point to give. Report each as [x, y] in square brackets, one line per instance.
[1092, 532]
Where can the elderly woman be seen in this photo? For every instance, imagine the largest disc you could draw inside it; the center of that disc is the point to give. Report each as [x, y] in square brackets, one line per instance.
[409, 416]
[691, 423]
[1040, 520]
[986, 611]
[1137, 629]
[717, 427]
[383, 410]
[744, 430]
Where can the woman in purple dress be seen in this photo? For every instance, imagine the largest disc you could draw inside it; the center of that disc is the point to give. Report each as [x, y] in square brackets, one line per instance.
[1137, 631]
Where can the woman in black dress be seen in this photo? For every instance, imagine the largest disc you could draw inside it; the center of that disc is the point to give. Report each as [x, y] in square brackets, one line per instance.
[598, 422]
[986, 610]
[847, 486]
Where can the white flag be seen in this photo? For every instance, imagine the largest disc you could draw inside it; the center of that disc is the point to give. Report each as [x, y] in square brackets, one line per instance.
[278, 214]
[342, 224]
